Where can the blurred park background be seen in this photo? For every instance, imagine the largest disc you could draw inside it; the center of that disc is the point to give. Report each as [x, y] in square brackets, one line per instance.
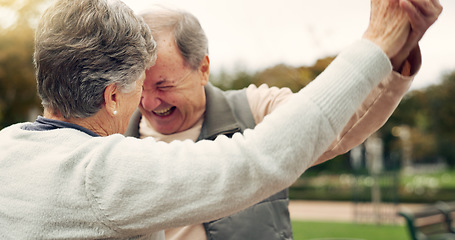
[410, 160]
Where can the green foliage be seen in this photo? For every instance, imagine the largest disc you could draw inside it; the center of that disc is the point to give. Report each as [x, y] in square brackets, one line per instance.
[225, 81]
[17, 78]
[395, 187]
[284, 76]
[430, 114]
[304, 230]
[441, 113]
[18, 98]
[280, 76]
[338, 165]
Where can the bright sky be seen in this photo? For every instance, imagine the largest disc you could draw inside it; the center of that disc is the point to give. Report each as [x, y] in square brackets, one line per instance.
[256, 34]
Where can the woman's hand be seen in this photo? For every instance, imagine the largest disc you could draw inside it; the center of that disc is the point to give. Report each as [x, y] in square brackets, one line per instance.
[389, 26]
[422, 14]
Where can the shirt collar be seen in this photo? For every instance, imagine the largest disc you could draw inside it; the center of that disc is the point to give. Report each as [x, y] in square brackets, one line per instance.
[46, 124]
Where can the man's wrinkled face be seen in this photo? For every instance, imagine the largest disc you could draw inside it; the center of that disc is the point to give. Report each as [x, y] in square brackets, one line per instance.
[173, 97]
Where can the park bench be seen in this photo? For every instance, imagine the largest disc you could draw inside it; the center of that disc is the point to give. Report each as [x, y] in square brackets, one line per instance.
[431, 222]
[449, 210]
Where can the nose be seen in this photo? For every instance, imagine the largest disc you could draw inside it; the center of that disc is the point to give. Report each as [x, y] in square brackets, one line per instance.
[149, 101]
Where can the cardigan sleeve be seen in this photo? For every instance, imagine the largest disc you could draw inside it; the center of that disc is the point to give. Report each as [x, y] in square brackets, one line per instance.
[375, 110]
[140, 185]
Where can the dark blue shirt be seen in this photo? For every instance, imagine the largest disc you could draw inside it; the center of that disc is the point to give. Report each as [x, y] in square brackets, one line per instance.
[46, 124]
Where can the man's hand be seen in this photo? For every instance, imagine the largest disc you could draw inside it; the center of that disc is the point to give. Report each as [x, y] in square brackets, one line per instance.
[421, 14]
[389, 26]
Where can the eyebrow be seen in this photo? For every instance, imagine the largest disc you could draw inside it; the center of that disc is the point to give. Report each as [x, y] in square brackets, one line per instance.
[164, 80]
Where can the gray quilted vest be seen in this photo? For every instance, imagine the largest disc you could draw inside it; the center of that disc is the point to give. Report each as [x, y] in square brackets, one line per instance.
[228, 112]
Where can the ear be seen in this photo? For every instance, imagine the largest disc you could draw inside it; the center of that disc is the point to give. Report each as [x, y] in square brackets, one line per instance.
[111, 99]
[204, 70]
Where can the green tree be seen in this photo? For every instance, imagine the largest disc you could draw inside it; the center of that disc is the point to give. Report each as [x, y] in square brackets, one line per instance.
[280, 75]
[441, 111]
[430, 114]
[17, 80]
[18, 98]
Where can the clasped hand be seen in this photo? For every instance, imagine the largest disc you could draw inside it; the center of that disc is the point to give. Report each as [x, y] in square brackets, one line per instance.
[398, 25]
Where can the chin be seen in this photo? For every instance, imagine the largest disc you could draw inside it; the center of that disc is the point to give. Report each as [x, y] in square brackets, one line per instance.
[163, 128]
[166, 132]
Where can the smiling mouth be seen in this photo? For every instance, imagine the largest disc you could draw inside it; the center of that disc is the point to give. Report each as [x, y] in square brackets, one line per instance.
[164, 112]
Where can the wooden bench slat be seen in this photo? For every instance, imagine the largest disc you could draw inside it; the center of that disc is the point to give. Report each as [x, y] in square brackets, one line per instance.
[432, 222]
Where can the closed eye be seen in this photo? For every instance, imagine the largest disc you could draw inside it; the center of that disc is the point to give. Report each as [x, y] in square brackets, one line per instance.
[164, 87]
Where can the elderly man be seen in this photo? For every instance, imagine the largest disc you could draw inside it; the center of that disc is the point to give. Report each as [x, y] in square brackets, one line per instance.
[179, 103]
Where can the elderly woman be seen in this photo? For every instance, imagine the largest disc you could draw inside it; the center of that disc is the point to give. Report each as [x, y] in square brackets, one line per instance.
[69, 175]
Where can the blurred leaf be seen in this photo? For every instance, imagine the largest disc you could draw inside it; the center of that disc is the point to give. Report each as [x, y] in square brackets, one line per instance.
[18, 97]
[280, 76]
[430, 113]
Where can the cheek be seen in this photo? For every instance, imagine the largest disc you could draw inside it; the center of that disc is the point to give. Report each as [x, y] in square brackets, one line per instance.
[173, 97]
[135, 99]
[139, 94]
[138, 99]
[192, 103]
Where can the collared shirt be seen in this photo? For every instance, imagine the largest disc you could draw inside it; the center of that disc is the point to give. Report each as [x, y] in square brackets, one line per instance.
[46, 124]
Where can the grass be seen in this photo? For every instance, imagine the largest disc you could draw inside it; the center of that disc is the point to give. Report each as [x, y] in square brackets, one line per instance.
[306, 230]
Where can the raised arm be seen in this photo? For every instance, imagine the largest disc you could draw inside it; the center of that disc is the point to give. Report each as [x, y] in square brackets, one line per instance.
[160, 185]
[382, 101]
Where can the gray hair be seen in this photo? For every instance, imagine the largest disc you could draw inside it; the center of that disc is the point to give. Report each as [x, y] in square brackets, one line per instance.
[83, 46]
[188, 33]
